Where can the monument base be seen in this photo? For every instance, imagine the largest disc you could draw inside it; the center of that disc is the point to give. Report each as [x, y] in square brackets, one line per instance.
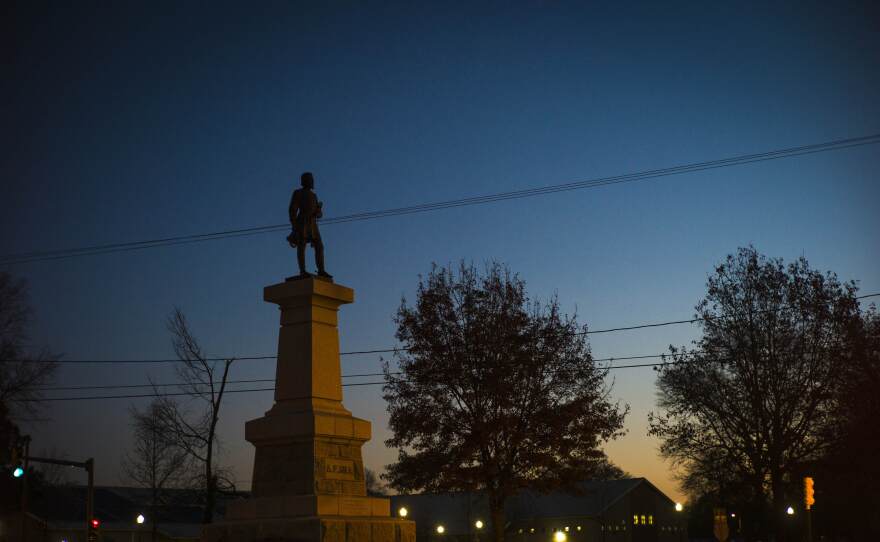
[309, 477]
[311, 529]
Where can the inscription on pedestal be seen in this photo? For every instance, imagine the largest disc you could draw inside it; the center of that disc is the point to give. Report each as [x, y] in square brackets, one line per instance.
[349, 506]
[339, 469]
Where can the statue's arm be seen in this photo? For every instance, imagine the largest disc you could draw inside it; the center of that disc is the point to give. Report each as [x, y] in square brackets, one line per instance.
[294, 205]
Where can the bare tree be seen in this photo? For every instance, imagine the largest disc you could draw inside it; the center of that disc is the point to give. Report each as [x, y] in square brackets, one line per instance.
[54, 475]
[156, 462]
[192, 426]
[22, 374]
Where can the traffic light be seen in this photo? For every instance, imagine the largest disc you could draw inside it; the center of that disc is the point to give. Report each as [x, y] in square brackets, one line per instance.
[93, 530]
[808, 492]
[16, 456]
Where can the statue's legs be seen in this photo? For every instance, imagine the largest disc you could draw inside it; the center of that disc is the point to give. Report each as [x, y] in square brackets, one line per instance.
[319, 257]
[301, 257]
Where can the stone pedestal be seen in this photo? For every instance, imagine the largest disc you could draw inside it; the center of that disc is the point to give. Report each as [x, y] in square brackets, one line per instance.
[308, 482]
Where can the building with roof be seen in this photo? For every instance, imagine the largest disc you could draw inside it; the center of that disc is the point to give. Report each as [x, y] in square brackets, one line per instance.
[626, 510]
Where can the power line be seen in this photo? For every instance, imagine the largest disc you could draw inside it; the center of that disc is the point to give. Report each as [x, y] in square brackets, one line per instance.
[354, 384]
[381, 351]
[35, 256]
[252, 381]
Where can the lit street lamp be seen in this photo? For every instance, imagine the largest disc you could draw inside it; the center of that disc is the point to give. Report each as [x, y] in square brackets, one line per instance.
[402, 512]
[139, 520]
[678, 509]
[789, 511]
[559, 536]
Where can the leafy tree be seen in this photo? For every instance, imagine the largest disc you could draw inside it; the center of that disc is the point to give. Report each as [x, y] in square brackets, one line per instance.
[156, 462]
[755, 399]
[846, 478]
[192, 426]
[22, 373]
[375, 486]
[497, 392]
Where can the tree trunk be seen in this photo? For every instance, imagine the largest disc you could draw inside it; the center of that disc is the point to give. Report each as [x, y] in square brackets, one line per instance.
[779, 519]
[208, 516]
[153, 519]
[496, 510]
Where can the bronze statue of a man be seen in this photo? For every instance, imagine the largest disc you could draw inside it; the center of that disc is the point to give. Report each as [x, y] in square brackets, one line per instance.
[305, 210]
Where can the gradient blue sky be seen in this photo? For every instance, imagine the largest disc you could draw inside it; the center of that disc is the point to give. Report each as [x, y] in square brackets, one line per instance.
[128, 121]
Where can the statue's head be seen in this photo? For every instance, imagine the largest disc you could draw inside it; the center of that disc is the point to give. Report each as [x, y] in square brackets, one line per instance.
[307, 180]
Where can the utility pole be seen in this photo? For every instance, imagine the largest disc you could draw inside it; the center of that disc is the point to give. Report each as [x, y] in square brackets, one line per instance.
[88, 465]
[24, 488]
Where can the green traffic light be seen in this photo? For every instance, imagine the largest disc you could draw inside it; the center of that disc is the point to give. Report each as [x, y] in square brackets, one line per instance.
[18, 472]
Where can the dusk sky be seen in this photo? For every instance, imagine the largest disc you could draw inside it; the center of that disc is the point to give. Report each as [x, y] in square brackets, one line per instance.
[130, 121]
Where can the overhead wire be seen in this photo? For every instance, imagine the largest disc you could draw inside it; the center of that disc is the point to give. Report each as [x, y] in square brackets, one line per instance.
[353, 384]
[252, 381]
[382, 350]
[35, 256]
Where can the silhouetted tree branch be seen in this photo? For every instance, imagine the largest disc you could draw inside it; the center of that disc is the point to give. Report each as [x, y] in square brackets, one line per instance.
[157, 461]
[22, 373]
[193, 427]
[375, 487]
[498, 393]
[755, 399]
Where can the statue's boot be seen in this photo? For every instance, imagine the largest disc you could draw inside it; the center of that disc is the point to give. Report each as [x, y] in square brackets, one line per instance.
[301, 260]
[319, 261]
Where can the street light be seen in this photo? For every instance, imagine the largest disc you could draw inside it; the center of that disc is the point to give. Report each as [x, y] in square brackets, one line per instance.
[139, 520]
[789, 511]
[678, 509]
[402, 512]
[441, 529]
[478, 524]
[559, 536]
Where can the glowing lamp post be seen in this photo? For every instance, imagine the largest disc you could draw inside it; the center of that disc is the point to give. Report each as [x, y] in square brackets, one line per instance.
[139, 520]
[559, 536]
[679, 508]
[402, 512]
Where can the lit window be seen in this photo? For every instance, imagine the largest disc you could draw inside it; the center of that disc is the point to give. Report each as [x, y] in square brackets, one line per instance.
[635, 519]
[643, 519]
[650, 520]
